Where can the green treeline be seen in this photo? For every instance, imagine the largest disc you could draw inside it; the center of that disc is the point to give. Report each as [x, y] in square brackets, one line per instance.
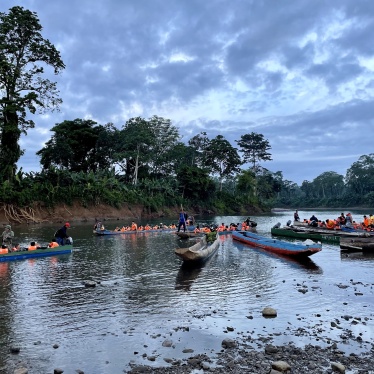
[331, 189]
[145, 163]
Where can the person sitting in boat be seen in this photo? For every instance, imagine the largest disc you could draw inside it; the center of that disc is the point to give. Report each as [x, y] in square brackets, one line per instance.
[117, 228]
[53, 244]
[330, 224]
[342, 219]
[16, 248]
[371, 221]
[365, 222]
[33, 246]
[134, 226]
[197, 229]
[296, 216]
[321, 223]
[4, 250]
[97, 225]
[221, 227]
[313, 221]
[349, 220]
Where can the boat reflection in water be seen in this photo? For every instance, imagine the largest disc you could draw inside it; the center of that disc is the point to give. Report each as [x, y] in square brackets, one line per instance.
[188, 273]
[302, 263]
[356, 256]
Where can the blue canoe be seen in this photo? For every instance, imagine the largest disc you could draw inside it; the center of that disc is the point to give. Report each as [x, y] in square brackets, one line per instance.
[42, 252]
[277, 246]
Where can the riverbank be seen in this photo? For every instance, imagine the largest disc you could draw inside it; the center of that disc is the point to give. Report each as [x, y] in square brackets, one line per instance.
[78, 213]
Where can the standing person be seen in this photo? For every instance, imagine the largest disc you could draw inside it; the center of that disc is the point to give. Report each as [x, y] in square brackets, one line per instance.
[7, 235]
[182, 220]
[296, 216]
[61, 234]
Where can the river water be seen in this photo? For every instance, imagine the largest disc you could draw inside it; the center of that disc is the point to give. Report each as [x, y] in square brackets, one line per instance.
[144, 297]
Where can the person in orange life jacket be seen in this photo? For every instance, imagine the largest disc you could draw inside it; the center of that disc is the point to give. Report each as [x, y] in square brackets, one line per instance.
[33, 246]
[61, 234]
[182, 220]
[366, 221]
[53, 244]
[134, 226]
[4, 249]
[16, 248]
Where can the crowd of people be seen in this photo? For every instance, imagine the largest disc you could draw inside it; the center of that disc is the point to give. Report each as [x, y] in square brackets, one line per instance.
[343, 221]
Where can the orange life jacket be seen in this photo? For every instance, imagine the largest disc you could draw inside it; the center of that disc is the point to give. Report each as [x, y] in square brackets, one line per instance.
[3, 250]
[53, 245]
[32, 248]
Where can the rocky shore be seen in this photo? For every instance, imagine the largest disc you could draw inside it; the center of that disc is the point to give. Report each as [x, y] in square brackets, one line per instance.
[240, 358]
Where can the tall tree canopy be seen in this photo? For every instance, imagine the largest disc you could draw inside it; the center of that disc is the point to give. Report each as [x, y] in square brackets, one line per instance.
[254, 148]
[222, 158]
[79, 145]
[23, 90]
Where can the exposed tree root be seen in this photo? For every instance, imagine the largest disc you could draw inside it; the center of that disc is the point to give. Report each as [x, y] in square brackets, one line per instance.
[20, 215]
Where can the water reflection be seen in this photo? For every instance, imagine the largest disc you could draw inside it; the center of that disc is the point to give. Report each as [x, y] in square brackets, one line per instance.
[186, 276]
[302, 263]
[354, 256]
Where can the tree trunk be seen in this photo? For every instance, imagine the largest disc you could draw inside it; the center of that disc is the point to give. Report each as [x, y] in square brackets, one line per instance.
[10, 151]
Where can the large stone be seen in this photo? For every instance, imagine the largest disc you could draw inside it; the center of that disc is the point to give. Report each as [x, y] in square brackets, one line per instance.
[336, 366]
[281, 366]
[228, 343]
[269, 312]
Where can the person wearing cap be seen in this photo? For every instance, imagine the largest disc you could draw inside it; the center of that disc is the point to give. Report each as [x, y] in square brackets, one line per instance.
[7, 235]
[61, 234]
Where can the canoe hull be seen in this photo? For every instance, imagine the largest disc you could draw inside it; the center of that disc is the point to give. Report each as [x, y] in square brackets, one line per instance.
[277, 246]
[357, 244]
[22, 255]
[199, 252]
[290, 233]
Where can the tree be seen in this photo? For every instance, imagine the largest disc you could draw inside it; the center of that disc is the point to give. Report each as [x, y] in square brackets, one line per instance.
[132, 148]
[78, 145]
[360, 176]
[195, 183]
[23, 90]
[254, 148]
[199, 143]
[222, 158]
[165, 138]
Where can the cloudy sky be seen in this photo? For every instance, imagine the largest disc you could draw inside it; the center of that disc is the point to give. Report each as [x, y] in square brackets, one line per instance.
[298, 72]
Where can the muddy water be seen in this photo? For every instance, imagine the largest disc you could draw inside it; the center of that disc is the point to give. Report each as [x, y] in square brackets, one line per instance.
[145, 297]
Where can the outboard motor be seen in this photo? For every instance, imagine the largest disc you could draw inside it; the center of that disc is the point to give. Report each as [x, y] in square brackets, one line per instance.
[289, 222]
[277, 225]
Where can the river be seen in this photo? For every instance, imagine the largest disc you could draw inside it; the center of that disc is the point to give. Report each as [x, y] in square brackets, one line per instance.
[144, 297]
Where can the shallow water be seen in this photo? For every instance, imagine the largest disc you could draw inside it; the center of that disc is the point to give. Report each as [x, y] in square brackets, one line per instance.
[145, 297]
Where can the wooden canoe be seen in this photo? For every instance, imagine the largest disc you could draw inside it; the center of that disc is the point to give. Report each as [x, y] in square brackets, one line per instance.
[277, 246]
[199, 252]
[42, 252]
[297, 234]
[364, 244]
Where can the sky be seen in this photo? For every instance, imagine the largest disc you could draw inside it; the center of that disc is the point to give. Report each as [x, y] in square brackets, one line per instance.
[301, 73]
